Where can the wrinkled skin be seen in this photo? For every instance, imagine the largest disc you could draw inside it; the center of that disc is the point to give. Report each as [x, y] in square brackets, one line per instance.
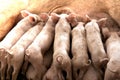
[80, 60]
[113, 47]
[9, 9]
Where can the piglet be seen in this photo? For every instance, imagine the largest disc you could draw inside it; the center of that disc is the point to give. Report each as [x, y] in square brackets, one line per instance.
[26, 23]
[47, 60]
[80, 60]
[34, 53]
[14, 35]
[15, 56]
[95, 45]
[44, 19]
[61, 57]
[112, 45]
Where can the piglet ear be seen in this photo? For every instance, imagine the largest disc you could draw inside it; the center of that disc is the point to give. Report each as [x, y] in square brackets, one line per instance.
[55, 17]
[88, 19]
[44, 16]
[32, 18]
[102, 22]
[105, 32]
[72, 19]
[24, 13]
[102, 19]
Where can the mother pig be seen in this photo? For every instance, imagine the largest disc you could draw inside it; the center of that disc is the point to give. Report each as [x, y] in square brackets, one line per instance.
[9, 9]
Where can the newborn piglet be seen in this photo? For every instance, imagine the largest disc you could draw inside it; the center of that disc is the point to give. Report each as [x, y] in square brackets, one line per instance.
[14, 35]
[34, 53]
[112, 45]
[47, 60]
[15, 55]
[61, 57]
[80, 60]
[95, 44]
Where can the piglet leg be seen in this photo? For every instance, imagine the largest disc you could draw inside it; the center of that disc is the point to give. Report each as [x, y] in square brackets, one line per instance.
[109, 75]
